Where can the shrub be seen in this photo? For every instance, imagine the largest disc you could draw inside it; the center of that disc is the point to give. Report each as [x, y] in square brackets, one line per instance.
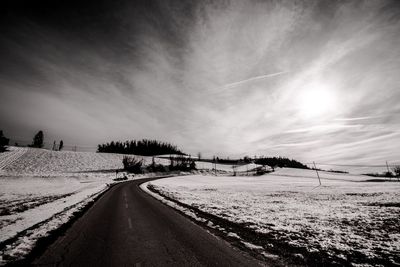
[396, 170]
[157, 168]
[132, 165]
[388, 174]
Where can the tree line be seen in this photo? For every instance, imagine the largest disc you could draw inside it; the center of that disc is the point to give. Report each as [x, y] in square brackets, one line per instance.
[272, 162]
[280, 162]
[143, 147]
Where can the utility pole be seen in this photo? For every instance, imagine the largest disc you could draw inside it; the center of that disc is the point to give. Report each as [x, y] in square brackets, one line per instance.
[315, 168]
[215, 166]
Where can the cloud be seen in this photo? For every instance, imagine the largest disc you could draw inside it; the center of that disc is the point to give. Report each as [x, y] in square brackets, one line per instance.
[223, 78]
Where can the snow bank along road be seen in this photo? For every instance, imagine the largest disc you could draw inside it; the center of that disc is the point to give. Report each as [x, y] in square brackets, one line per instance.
[128, 227]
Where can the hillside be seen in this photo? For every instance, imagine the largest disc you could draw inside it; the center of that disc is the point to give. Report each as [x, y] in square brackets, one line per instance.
[21, 161]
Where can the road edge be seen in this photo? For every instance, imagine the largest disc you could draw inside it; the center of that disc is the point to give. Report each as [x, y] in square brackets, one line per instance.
[204, 221]
[42, 243]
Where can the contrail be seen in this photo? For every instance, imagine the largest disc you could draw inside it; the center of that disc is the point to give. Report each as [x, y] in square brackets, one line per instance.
[229, 85]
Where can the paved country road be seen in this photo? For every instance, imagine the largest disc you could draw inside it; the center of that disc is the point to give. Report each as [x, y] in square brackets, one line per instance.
[128, 227]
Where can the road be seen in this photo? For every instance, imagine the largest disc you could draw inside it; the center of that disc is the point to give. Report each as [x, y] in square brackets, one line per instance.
[128, 227]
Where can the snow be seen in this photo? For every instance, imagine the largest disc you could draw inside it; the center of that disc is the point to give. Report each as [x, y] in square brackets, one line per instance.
[226, 167]
[41, 189]
[346, 216]
[26, 201]
[251, 246]
[21, 161]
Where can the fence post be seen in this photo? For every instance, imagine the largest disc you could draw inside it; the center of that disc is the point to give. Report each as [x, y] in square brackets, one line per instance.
[315, 168]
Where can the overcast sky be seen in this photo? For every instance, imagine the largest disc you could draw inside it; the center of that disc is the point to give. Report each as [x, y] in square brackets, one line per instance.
[310, 80]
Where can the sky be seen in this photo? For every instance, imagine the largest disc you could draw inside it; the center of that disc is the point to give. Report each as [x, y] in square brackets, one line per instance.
[310, 80]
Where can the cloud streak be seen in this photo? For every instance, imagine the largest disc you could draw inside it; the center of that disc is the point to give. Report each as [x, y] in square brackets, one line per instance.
[223, 78]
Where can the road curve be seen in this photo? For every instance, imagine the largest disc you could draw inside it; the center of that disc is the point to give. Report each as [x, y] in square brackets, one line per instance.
[128, 227]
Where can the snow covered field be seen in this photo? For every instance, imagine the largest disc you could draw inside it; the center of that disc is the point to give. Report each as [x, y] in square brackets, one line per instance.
[41, 189]
[346, 221]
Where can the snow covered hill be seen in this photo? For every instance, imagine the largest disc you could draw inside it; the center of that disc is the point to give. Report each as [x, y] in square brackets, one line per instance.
[19, 161]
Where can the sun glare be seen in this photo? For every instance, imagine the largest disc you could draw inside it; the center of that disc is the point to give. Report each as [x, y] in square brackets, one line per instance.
[316, 100]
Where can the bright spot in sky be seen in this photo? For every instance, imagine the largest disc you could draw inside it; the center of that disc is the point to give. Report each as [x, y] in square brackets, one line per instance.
[316, 100]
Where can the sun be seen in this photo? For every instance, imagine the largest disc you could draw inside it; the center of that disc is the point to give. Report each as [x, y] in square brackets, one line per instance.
[316, 100]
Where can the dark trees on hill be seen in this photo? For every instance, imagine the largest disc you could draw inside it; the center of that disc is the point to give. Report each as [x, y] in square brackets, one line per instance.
[142, 147]
[280, 162]
[3, 142]
[38, 140]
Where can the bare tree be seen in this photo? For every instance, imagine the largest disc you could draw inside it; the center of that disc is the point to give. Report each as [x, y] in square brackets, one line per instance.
[396, 170]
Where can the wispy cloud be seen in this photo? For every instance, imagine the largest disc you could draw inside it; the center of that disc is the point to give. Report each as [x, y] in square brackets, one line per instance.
[225, 78]
[252, 79]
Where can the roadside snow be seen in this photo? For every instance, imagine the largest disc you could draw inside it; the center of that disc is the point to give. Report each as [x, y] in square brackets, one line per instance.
[347, 217]
[56, 216]
[41, 189]
[26, 201]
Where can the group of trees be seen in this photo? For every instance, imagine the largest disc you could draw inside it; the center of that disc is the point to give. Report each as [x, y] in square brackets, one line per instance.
[38, 140]
[143, 147]
[394, 172]
[280, 162]
[59, 146]
[266, 161]
[179, 163]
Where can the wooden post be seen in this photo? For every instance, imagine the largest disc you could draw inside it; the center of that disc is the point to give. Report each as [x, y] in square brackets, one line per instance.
[215, 166]
[315, 167]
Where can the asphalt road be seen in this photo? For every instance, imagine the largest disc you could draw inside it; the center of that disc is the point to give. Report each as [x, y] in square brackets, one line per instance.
[127, 227]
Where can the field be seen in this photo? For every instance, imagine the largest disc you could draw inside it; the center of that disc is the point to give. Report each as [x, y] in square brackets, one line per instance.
[349, 220]
[283, 216]
[40, 190]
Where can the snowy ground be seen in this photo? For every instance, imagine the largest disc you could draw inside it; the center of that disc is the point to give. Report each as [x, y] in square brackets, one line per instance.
[346, 221]
[40, 190]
